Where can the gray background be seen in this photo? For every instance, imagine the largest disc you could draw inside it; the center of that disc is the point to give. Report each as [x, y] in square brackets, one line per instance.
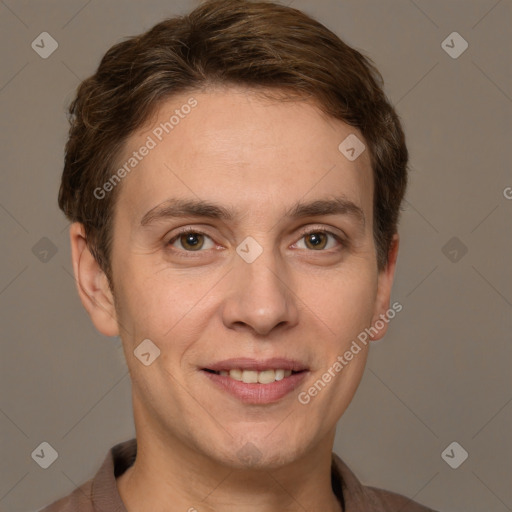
[441, 374]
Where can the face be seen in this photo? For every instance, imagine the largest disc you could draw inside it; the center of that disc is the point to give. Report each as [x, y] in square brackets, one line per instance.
[278, 273]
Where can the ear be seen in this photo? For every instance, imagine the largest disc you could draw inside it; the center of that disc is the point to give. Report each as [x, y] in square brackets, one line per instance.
[92, 284]
[385, 283]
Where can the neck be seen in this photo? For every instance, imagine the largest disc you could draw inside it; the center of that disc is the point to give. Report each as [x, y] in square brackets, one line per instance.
[169, 477]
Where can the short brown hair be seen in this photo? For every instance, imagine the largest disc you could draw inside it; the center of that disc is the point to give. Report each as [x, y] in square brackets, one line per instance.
[259, 44]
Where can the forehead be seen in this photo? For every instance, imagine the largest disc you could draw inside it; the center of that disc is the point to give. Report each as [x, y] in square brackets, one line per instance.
[232, 146]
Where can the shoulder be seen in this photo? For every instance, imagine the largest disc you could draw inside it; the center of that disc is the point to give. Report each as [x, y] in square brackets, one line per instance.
[360, 497]
[79, 499]
[389, 501]
[100, 493]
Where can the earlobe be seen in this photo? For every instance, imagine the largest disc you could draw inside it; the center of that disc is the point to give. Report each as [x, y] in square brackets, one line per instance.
[382, 302]
[92, 284]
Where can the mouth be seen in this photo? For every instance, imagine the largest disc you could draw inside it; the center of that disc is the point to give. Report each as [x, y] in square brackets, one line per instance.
[256, 382]
[267, 376]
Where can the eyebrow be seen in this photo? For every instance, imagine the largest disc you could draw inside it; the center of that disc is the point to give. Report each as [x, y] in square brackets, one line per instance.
[172, 208]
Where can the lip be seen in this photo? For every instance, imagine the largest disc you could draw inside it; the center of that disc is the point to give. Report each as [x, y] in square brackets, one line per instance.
[246, 363]
[257, 393]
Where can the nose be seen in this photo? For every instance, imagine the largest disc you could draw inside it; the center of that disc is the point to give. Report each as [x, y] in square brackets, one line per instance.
[261, 296]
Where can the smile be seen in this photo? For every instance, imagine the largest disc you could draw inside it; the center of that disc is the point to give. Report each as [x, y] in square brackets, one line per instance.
[256, 387]
[253, 377]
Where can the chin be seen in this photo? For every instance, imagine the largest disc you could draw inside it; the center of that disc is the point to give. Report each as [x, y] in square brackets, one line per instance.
[253, 452]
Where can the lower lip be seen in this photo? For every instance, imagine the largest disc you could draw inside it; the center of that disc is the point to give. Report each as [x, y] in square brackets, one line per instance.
[257, 393]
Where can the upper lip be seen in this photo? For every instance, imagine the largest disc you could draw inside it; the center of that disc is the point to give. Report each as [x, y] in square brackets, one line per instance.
[245, 363]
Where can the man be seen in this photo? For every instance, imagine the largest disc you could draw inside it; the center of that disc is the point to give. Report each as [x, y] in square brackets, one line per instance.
[234, 178]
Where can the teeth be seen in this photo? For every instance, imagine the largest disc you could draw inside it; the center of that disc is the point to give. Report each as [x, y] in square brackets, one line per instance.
[235, 374]
[253, 376]
[267, 376]
[250, 376]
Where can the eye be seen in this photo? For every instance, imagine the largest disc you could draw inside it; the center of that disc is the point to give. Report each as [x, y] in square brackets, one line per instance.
[317, 239]
[190, 239]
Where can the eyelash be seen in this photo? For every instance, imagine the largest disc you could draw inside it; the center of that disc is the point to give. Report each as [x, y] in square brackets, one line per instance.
[303, 234]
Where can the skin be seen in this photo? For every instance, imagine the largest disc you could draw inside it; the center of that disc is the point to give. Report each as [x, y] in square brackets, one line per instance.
[199, 306]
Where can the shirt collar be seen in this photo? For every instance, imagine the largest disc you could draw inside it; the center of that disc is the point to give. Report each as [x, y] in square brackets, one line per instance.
[105, 496]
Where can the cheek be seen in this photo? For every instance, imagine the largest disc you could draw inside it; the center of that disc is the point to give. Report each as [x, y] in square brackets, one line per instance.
[345, 301]
[146, 305]
[167, 307]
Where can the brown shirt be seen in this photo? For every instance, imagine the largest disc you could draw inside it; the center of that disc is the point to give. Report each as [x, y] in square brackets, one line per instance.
[100, 493]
